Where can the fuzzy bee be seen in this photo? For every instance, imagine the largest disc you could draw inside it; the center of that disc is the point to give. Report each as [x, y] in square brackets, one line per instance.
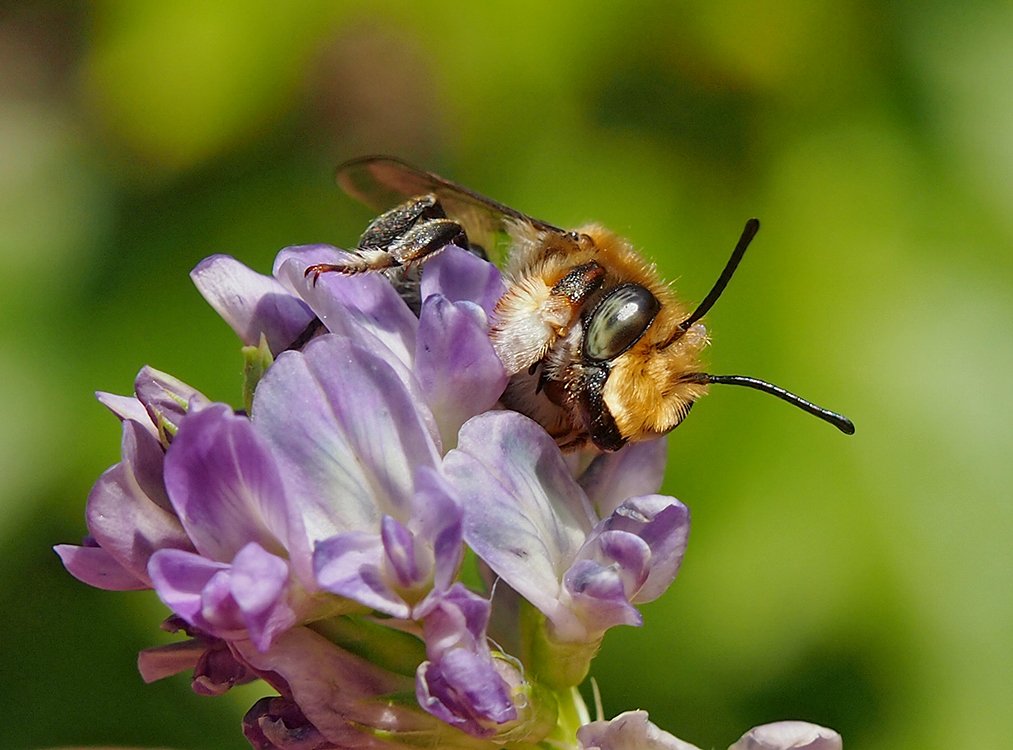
[598, 347]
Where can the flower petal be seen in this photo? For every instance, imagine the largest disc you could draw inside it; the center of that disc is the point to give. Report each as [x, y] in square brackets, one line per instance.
[96, 567]
[126, 407]
[218, 670]
[182, 581]
[259, 585]
[637, 469]
[350, 565]
[347, 434]
[352, 306]
[166, 399]
[405, 561]
[225, 485]
[466, 692]
[278, 724]
[251, 303]
[165, 661]
[459, 276]
[438, 518]
[662, 523]
[628, 731]
[524, 514]
[459, 682]
[599, 597]
[455, 364]
[789, 735]
[128, 512]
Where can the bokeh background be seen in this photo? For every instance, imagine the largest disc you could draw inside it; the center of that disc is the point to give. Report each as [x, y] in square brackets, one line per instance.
[863, 583]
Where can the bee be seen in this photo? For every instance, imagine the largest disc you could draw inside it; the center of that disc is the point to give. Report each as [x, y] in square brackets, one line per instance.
[598, 346]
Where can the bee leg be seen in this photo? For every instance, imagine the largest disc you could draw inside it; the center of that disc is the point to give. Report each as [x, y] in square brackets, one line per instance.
[532, 316]
[392, 225]
[405, 235]
[424, 240]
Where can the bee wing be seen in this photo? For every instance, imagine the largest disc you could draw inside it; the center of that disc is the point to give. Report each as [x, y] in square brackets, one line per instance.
[383, 182]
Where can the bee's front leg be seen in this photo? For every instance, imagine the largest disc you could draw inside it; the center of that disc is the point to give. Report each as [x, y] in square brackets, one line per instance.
[533, 314]
[403, 236]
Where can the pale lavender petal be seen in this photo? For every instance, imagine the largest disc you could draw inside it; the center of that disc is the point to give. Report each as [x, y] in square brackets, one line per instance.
[405, 560]
[347, 434]
[225, 485]
[196, 589]
[259, 585]
[128, 512]
[455, 619]
[625, 553]
[126, 407]
[245, 599]
[628, 731]
[364, 308]
[599, 597]
[350, 565]
[251, 303]
[96, 567]
[524, 514]
[360, 306]
[304, 255]
[461, 276]
[789, 735]
[637, 469]
[167, 399]
[455, 364]
[438, 518]
[662, 522]
[165, 661]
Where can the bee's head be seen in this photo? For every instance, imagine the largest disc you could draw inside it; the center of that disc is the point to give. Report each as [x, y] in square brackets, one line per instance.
[650, 373]
[632, 353]
[645, 392]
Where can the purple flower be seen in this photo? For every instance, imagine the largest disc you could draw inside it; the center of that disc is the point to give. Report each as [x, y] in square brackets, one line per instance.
[789, 735]
[227, 492]
[460, 682]
[537, 528]
[129, 514]
[632, 731]
[314, 540]
[628, 731]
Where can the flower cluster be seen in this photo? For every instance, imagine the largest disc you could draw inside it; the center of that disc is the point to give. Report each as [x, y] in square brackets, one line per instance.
[316, 539]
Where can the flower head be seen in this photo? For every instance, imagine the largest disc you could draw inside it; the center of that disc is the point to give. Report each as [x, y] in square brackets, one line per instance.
[314, 538]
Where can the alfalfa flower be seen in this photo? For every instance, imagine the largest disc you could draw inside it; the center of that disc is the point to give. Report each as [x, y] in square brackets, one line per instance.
[313, 537]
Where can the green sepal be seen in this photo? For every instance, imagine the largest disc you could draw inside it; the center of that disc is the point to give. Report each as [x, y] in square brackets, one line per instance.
[552, 662]
[389, 648]
[256, 360]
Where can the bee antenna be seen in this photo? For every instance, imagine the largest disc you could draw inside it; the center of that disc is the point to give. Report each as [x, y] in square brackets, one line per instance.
[839, 421]
[750, 230]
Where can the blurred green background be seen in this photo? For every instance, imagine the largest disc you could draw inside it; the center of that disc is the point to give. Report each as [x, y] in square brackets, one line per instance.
[863, 583]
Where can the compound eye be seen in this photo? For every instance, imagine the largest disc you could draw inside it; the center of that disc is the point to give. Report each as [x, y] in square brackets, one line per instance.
[618, 321]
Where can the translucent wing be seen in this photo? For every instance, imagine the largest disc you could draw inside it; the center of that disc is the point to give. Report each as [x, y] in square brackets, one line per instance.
[382, 182]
